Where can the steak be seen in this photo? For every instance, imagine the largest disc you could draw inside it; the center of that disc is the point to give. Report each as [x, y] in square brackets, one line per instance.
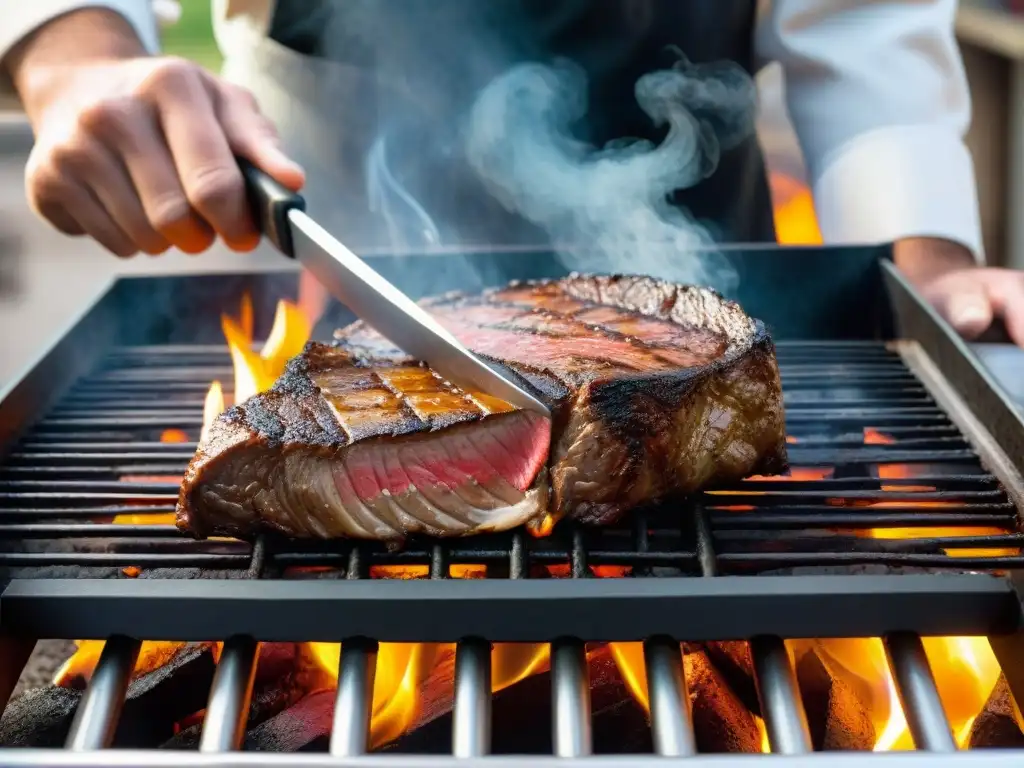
[656, 390]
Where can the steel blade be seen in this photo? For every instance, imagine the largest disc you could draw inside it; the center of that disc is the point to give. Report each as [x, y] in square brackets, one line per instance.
[397, 317]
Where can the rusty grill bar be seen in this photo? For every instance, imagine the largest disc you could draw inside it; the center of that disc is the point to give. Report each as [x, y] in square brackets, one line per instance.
[699, 570]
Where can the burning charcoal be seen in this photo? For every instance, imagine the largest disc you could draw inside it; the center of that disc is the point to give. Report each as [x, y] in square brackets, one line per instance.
[835, 714]
[303, 727]
[733, 661]
[39, 718]
[721, 721]
[996, 726]
[521, 716]
[285, 673]
[155, 702]
[167, 695]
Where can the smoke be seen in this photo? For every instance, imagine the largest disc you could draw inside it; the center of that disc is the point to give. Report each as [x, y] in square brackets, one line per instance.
[465, 146]
[609, 209]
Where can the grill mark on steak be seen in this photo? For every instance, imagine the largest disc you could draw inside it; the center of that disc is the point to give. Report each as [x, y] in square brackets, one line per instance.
[655, 389]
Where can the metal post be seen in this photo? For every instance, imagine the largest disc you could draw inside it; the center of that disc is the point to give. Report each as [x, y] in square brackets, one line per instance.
[227, 709]
[471, 725]
[353, 707]
[784, 716]
[918, 694]
[671, 721]
[96, 718]
[570, 699]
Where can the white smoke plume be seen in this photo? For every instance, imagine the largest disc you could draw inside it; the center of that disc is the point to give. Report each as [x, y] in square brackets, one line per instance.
[608, 209]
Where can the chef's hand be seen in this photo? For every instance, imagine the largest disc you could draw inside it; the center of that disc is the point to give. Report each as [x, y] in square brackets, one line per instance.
[968, 296]
[137, 151]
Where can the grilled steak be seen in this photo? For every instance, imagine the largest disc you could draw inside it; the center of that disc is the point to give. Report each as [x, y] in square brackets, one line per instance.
[656, 390]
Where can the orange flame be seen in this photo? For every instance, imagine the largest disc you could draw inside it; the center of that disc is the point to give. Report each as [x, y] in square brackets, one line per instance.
[965, 668]
[403, 667]
[793, 208]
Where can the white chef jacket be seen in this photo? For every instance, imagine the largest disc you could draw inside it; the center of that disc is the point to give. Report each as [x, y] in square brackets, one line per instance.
[876, 92]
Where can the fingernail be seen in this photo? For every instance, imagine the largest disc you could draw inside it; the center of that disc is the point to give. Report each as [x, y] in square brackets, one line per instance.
[968, 312]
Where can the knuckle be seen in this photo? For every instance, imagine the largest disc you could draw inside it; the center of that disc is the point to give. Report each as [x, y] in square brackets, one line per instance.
[70, 157]
[168, 75]
[168, 212]
[241, 95]
[208, 188]
[44, 184]
[104, 117]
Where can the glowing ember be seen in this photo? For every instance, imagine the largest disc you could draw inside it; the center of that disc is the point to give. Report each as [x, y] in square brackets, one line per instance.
[173, 436]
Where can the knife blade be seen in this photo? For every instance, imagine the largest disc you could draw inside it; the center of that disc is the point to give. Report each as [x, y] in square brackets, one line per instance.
[281, 216]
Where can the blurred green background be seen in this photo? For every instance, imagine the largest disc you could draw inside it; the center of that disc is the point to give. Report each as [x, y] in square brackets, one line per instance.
[192, 36]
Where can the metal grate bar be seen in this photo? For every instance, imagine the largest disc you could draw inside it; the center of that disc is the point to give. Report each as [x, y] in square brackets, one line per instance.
[471, 726]
[671, 720]
[570, 699]
[783, 710]
[353, 707]
[96, 718]
[918, 694]
[227, 710]
[46, 758]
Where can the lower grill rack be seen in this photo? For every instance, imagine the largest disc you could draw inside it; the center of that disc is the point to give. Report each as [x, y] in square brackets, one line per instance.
[671, 724]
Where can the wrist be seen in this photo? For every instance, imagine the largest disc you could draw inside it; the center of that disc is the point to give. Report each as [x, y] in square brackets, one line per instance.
[88, 35]
[926, 258]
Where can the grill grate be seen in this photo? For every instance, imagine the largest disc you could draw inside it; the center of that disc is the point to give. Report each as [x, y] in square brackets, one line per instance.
[98, 454]
[73, 472]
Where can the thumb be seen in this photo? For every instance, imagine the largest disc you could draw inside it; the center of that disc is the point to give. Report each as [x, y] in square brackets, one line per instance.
[967, 308]
[253, 136]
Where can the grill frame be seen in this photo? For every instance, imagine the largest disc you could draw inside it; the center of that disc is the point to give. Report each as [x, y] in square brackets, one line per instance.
[762, 608]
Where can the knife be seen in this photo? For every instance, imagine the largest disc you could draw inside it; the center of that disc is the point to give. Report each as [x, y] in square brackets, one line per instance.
[281, 216]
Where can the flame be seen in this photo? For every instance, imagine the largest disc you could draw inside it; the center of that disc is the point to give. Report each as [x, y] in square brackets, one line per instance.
[403, 667]
[256, 372]
[793, 208]
[902, 472]
[213, 406]
[78, 669]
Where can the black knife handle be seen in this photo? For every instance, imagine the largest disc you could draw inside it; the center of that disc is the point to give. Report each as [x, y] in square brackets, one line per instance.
[270, 203]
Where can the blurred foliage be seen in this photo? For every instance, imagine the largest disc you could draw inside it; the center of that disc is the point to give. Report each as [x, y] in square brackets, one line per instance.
[192, 36]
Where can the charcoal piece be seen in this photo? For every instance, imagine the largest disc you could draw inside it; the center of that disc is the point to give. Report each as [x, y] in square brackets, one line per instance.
[521, 716]
[733, 661]
[42, 665]
[837, 717]
[996, 726]
[303, 727]
[167, 695]
[39, 718]
[285, 673]
[721, 721]
[154, 703]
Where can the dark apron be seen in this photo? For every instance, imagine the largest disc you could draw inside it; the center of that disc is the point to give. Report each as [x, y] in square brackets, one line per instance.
[373, 94]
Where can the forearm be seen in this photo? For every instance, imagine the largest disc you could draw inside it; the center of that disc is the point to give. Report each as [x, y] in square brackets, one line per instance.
[38, 34]
[86, 35]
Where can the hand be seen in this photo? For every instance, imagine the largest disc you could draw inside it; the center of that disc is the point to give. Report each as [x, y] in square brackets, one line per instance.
[137, 151]
[969, 297]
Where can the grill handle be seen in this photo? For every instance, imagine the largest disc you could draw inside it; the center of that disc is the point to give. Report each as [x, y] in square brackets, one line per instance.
[270, 202]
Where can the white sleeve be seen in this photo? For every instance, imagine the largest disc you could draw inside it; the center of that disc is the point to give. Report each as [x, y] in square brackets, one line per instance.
[879, 100]
[23, 17]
